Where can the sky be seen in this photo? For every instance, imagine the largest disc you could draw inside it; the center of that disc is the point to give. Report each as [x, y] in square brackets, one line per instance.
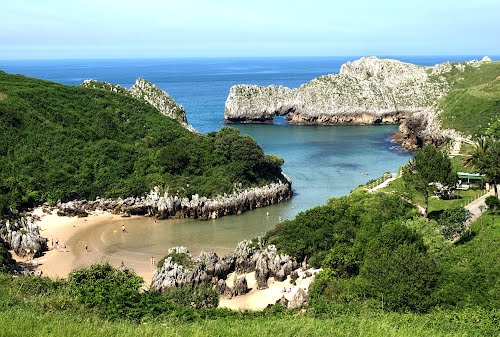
[41, 29]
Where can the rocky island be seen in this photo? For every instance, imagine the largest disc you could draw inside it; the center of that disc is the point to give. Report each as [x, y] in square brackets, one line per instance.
[367, 91]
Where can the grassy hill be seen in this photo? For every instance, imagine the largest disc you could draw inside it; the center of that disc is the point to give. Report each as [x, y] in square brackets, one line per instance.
[65, 142]
[466, 302]
[473, 105]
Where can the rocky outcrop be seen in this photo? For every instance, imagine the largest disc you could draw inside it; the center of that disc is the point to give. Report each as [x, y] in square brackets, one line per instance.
[149, 93]
[300, 299]
[165, 205]
[22, 235]
[366, 91]
[209, 269]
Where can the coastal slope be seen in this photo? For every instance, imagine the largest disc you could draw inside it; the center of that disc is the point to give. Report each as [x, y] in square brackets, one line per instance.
[120, 151]
[366, 91]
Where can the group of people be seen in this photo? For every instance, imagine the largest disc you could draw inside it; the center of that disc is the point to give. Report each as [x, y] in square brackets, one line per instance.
[286, 291]
[58, 246]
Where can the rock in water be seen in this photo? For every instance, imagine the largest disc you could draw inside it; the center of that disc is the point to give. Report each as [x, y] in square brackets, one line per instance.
[366, 91]
[300, 299]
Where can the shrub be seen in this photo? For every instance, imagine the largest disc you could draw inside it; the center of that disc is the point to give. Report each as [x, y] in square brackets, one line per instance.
[112, 291]
[492, 202]
[453, 222]
[398, 271]
[198, 297]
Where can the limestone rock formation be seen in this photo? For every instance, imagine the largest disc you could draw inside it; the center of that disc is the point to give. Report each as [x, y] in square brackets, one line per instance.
[149, 93]
[209, 269]
[172, 206]
[300, 299]
[283, 301]
[366, 91]
[22, 235]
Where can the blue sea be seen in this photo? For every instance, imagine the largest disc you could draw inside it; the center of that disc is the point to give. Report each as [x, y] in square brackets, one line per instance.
[322, 161]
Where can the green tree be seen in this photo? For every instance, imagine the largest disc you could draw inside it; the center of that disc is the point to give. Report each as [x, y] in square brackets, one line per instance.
[485, 157]
[398, 270]
[428, 167]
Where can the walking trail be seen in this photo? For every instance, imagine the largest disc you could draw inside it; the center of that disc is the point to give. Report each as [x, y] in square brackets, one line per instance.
[478, 206]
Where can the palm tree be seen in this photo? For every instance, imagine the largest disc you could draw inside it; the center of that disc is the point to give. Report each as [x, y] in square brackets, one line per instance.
[485, 157]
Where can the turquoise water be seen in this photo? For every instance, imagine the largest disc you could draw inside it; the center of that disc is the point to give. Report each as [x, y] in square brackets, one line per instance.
[322, 161]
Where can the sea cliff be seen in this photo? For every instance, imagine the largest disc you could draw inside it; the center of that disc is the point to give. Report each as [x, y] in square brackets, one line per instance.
[149, 93]
[366, 91]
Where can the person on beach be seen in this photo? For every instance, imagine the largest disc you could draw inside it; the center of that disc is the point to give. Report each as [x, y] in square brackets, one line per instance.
[86, 248]
[123, 229]
[153, 261]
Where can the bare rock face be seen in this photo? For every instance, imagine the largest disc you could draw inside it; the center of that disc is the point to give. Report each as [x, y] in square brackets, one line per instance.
[165, 205]
[366, 91]
[22, 235]
[283, 301]
[300, 299]
[240, 286]
[144, 90]
[209, 269]
[149, 93]
[272, 264]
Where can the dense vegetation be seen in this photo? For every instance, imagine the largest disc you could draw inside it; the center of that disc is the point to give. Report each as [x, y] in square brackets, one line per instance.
[464, 295]
[473, 105]
[63, 142]
[429, 167]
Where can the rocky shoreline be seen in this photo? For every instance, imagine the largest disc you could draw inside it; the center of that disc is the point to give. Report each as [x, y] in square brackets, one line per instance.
[367, 91]
[180, 268]
[164, 205]
[22, 235]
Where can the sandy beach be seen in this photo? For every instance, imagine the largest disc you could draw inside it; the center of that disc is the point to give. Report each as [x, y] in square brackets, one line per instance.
[67, 237]
[260, 299]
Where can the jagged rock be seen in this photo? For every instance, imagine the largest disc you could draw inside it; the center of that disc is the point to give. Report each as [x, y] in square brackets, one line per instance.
[294, 276]
[172, 206]
[222, 289]
[22, 235]
[272, 264]
[366, 91]
[149, 93]
[240, 286]
[158, 98]
[262, 273]
[300, 299]
[208, 268]
[282, 301]
[72, 208]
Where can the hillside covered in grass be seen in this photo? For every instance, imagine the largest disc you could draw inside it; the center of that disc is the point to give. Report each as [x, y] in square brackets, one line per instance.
[60, 142]
[473, 104]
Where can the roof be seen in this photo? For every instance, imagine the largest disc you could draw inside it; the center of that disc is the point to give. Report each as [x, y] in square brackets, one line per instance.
[465, 175]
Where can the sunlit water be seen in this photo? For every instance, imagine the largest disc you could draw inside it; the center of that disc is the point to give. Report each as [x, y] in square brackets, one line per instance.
[322, 161]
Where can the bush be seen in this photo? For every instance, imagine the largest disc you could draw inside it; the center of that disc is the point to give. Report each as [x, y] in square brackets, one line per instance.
[112, 291]
[198, 297]
[347, 221]
[453, 222]
[492, 202]
[398, 271]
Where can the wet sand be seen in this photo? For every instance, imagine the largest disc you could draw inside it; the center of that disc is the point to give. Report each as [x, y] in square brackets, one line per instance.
[74, 233]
